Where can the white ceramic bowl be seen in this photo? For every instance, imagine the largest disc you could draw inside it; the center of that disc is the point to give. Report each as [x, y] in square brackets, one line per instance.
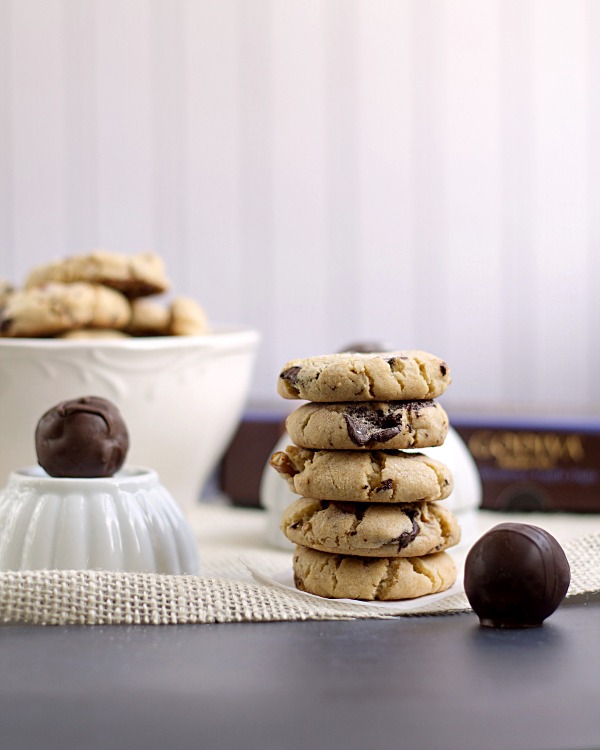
[181, 397]
[128, 522]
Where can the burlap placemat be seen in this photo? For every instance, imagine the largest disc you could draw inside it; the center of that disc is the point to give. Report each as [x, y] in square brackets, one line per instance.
[106, 598]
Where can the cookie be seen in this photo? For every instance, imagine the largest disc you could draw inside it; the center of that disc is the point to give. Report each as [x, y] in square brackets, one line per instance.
[354, 376]
[148, 318]
[134, 275]
[54, 308]
[367, 476]
[383, 579]
[370, 530]
[187, 318]
[369, 426]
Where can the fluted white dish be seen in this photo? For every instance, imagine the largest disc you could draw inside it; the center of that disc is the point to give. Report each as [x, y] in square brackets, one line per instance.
[128, 522]
[181, 396]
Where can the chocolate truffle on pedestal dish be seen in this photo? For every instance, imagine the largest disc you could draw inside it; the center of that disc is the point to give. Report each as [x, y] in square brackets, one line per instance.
[84, 437]
[516, 575]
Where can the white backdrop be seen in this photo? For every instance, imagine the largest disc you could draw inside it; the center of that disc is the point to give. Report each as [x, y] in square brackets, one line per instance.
[421, 172]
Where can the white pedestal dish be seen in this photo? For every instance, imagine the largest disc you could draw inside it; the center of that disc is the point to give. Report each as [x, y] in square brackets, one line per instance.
[128, 522]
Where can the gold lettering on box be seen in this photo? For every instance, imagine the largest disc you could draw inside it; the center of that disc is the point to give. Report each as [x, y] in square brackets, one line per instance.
[510, 449]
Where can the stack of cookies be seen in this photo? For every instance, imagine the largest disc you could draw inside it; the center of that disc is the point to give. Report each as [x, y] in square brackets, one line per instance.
[369, 523]
[98, 295]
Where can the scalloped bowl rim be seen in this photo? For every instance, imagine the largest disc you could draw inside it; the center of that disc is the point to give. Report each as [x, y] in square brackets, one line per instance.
[223, 337]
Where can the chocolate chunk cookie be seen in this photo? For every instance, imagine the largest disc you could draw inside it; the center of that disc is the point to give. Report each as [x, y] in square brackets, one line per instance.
[377, 530]
[53, 308]
[368, 476]
[369, 579]
[354, 376]
[187, 318]
[148, 318]
[368, 426]
[134, 275]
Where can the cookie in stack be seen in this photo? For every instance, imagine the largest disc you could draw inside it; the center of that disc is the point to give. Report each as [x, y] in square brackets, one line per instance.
[369, 523]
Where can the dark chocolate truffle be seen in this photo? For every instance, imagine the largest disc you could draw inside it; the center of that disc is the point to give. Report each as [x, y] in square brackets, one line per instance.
[516, 575]
[85, 437]
[366, 347]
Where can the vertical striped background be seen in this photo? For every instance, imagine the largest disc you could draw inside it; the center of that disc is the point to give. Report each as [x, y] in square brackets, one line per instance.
[421, 172]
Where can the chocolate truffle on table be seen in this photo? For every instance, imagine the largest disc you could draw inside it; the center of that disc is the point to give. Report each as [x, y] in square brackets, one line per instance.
[84, 437]
[516, 575]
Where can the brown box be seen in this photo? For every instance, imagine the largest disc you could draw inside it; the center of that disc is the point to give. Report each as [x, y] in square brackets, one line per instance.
[251, 447]
[534, 466]
[523, 465]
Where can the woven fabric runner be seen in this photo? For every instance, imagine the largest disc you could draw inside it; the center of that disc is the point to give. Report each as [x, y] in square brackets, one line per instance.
[52, 597]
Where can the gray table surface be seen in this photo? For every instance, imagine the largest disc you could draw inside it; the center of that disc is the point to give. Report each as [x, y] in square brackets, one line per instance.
[422, 682]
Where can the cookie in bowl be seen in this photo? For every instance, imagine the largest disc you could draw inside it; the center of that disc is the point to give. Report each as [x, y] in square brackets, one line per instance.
[100, 323]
